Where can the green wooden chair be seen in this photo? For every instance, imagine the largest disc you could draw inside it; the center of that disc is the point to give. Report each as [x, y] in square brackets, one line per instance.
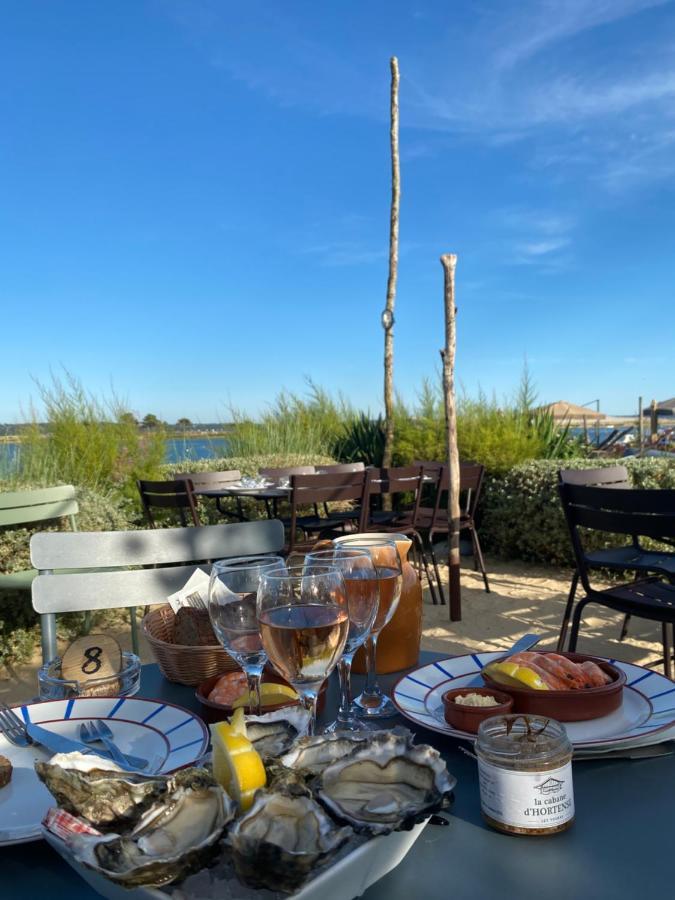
[19, 509]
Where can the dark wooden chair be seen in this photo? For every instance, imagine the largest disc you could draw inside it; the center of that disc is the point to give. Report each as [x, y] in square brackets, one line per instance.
[215, 481]
[281, 475]
[403, 484]
[629, 512]
[434, 523]
[312, 490]
[348, 515]
[631, 557]
[165, 495]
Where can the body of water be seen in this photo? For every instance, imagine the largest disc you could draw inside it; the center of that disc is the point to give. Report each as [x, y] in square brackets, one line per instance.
[176, 450]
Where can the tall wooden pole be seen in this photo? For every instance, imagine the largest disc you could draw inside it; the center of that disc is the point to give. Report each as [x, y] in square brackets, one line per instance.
[449, 262]
[388, 312]
[641, 438]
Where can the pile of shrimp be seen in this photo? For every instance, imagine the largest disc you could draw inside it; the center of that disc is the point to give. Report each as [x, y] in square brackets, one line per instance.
[560, 673]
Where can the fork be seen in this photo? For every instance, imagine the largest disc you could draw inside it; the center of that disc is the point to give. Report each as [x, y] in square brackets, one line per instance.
[91, 732]
[13, 728]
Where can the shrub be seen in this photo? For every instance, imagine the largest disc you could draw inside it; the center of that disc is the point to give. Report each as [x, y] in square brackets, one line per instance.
[521, 515]
[88, 442]
[19, 630]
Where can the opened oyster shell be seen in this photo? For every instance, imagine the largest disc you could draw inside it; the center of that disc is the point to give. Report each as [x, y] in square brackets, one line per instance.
[175, 836]
[99, 790]
[281, 839]
[386, 785]
[275, 732]
[313, 754]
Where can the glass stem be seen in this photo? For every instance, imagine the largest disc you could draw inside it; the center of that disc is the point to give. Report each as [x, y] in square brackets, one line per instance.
[308, 700]
[345, 674]
[253, 677]
[371, 667]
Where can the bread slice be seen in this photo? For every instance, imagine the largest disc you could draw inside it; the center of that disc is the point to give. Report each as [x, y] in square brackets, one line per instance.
[5, 771]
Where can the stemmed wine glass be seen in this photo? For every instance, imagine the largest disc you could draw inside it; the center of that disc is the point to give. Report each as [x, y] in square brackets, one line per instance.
[232, 608]
[361, 584]
[304, 622]
[372, 702]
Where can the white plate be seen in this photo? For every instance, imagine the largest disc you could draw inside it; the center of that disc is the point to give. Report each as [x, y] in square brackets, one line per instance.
[349, 877]
[646, 713]
[167, 735]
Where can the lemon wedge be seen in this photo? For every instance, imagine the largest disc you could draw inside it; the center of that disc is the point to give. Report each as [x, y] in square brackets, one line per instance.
[512, 675]
[270, 695]
[237, 766]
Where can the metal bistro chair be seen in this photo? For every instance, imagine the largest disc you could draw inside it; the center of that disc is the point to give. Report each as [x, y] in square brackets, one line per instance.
[470, 484]
[348, 515]
[632, 557]
[164, 559]
[215, 481]
[168, 495]
[404, 483]
[647, 513]
[277, 475]
[311, 490]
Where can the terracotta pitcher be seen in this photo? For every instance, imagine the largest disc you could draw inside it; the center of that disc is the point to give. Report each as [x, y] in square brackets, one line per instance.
[398, 645]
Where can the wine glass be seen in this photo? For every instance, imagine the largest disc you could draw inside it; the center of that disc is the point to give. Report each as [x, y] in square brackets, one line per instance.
[304, 622]
[232, 608]
[361, 583]
[372, 702]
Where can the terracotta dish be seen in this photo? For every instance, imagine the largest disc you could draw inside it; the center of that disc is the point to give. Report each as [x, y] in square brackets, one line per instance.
[468, 718]
[568, 706]
[216, 712]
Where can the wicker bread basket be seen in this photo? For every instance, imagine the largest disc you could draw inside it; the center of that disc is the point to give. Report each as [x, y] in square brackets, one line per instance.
[184, 664]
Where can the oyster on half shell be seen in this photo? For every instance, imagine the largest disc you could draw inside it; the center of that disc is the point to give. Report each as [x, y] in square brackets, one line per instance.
[313, 754]
[175, 836]
[386, 785]
[274, 733]
[281, 839]
[99, 790]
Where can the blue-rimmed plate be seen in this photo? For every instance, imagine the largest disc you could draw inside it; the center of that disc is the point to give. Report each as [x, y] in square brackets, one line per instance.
[168, 736]
[646, 714]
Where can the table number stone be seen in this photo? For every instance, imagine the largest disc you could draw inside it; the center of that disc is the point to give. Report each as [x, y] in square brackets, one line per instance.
[90, 657]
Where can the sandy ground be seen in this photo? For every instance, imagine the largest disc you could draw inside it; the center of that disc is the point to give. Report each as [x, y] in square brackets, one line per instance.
[523, 599]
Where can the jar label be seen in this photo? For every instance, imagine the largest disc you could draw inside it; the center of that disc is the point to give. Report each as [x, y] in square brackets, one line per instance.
[526, 799]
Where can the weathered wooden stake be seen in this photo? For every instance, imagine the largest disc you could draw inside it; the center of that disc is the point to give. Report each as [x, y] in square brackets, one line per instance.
[449, 261]
[388, 312]
[641, 433]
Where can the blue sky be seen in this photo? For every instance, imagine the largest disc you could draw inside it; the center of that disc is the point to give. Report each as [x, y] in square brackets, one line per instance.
[194, 197]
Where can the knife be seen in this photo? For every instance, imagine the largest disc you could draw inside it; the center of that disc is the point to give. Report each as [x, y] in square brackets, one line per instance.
[57, 743]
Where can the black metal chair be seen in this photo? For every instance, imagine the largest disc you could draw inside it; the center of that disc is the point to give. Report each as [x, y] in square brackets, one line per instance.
[432, 523]
[632, 557]
[214, 481]
[644, 513]
[168, 495]
[312, 490]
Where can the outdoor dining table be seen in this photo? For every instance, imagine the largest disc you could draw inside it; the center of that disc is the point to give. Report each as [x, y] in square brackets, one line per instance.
[267, 495]
[620, 845]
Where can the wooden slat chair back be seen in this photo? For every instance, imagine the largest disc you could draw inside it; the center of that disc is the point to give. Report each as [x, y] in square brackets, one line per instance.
[164, 559]
[19, 509]
[311, 490]
[214, 481]
[282, 472]
[635, 513]
[209, 480]
[337, 469]
[175, 494]
[470, 484]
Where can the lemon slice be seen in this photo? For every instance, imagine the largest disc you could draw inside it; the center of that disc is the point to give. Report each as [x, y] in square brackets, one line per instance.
[270, 695]
[237, 766]
[512, 675]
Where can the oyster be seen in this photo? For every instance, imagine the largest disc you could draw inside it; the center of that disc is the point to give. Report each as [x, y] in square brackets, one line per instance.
[175, 836]
[313, 754]
[386, 785]
[98, 790]
[281, 839]
[273, 733]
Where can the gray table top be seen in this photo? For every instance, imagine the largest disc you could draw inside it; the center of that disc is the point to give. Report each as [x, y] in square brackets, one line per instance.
[618, 847]
[254, 493]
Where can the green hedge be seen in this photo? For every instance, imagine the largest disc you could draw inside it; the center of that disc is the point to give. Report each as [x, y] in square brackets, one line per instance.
[521, 516]
[19, 631]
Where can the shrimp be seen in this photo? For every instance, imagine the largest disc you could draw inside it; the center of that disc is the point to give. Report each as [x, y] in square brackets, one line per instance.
[565, 669]
[228, 688]
[533, 661]
[595, 674]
